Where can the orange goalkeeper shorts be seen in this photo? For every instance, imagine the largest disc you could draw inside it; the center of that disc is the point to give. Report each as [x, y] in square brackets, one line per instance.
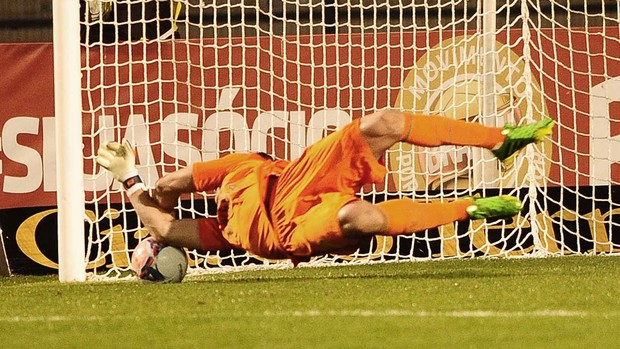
[312, 189]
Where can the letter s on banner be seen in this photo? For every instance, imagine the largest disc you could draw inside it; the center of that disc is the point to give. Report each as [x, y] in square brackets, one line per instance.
[22, 155]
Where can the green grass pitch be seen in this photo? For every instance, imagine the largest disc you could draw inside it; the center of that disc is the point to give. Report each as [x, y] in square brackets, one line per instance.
[568, 302]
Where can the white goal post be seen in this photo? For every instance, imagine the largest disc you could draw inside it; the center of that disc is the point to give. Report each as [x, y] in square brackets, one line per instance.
[192, 80]
[69, 158]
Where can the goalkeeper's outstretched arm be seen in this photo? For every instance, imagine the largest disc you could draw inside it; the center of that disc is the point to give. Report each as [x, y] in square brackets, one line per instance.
[154, 212]
[169, 188]
[162, 224]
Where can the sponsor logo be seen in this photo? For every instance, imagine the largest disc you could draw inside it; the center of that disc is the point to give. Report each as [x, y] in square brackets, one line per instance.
[449, 81]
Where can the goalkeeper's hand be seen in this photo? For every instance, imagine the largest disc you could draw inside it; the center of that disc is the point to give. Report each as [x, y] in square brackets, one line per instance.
[118, 158]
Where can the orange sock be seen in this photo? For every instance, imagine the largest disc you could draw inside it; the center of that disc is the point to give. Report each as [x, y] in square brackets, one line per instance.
[433, 131]
[404, 216]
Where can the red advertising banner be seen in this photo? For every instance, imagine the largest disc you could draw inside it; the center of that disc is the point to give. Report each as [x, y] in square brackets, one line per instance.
[188, 101]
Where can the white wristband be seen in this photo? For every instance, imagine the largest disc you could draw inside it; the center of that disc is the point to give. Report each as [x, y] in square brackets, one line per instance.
[135, 188]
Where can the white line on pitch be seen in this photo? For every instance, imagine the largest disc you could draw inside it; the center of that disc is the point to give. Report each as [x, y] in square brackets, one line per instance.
[328, 313]
[454, 314]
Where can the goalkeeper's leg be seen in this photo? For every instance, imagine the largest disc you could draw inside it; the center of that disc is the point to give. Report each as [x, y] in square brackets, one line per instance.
[404, 216]
[385, 128]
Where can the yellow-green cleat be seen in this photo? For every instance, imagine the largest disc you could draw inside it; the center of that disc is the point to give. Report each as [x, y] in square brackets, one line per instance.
[495, 207]
[517, 137]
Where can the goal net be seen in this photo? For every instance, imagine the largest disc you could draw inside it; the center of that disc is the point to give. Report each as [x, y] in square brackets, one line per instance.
[193, 80]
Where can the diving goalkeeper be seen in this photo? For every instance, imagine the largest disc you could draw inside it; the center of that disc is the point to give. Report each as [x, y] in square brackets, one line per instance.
[281, 209]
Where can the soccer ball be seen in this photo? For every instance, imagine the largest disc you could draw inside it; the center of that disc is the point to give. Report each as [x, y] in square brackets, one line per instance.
[154, 261]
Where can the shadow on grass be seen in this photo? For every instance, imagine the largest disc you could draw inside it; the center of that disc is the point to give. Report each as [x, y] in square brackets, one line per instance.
[294, 276]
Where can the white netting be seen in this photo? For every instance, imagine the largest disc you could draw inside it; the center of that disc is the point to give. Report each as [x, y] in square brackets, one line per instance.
[193, 80]
[578, 59]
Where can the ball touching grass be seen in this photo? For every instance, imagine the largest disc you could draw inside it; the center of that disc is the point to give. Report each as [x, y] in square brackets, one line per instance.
[157, 262]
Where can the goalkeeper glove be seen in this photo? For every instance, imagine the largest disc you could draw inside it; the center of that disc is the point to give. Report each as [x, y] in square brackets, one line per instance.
[120, 160]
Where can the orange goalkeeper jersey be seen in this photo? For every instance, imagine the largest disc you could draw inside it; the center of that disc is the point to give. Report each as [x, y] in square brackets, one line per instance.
[303, 197]
[241, 182]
